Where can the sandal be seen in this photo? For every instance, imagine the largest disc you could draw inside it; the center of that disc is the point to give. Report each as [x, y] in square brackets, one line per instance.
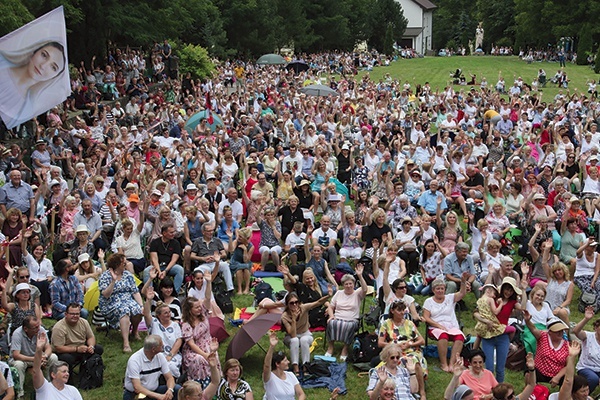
[343, 358]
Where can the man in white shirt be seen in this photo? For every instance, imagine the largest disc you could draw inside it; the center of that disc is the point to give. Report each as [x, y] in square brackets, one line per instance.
[294, 243]
[479, 149]
[144, 369]
[327, 238]
[293, 163]
[231, 201]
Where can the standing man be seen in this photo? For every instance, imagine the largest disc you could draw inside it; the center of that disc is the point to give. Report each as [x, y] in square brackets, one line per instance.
[73, 339]
[18, 194]
[23, 346]
[144, 369]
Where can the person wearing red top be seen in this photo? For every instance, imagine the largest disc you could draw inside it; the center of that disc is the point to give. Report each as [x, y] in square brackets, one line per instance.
[573, 211]
[552, 350]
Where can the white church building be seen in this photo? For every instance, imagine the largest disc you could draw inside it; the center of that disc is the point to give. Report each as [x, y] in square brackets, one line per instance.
[418, 34]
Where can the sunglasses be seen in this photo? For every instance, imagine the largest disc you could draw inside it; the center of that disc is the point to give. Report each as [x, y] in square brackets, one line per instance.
[291, 303]
[24, 277]
[401, 287]
[394, 357]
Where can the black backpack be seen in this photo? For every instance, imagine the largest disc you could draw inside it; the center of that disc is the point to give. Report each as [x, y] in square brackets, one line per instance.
[365, 348]
[222, 296]
[263, 291]
[91, 373]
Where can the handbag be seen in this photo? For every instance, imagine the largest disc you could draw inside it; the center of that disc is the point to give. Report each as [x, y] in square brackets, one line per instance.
[587, 299]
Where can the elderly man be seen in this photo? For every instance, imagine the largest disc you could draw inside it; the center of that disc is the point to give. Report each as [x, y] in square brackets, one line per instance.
[144, 369]
[165, 253]
[207, 250]
[455, 264]
[57, 388]
[23, 346]
[431, 199]
[505, 126]
[231, 201]
[65, 289]
[473, 187]
[73, 339]
[326, 237]
[93, 221]
[17, 194]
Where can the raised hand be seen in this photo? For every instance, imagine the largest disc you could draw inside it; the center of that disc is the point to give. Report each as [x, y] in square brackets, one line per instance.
[214, 345]
[382, 373]
[359, 269]
[150, 293]
[458, 367]
[589, 312]
[101, 254]
[153, 273]
[526, 315]
[273, 338]
[529, 361]
[574, 348]
[42, 340]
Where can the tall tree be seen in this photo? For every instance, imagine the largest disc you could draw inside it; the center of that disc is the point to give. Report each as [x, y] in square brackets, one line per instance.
[14, 15]
[384, 14]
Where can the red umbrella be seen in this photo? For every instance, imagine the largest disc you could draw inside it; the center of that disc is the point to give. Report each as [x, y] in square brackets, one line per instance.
[250, 333]
[217, 329]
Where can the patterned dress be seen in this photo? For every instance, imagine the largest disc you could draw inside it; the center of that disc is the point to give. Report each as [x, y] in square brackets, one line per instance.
[121, 301]
[225, 393]
[194, 364]
[406, 331]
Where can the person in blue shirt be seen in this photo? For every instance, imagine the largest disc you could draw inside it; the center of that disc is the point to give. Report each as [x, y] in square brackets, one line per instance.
[455, 264]
[428, 201]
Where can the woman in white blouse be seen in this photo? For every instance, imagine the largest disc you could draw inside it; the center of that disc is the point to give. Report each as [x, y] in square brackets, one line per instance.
[41, 271]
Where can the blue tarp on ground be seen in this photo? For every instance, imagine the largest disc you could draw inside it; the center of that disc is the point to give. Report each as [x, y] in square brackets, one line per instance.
[336, 380]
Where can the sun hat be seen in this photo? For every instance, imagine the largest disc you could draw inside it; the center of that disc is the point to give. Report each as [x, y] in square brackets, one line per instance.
[304, 182]
[21, 286]
[334, 197]
[512, 282]
[134, 198]
[539, 196]
[556, 325]
[156, 192]
[191, 186]
[82, 228]
[54, 182]
[83, 257]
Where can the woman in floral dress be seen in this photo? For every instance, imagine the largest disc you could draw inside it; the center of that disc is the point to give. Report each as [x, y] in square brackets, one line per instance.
[197, 341]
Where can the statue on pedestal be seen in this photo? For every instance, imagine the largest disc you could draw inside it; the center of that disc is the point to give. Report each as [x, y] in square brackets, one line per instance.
[479, 36]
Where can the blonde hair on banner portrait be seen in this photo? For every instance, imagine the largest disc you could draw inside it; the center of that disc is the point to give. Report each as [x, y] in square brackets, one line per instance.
[34, 73]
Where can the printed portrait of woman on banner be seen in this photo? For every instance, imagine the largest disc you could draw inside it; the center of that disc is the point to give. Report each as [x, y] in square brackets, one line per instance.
[33, 69]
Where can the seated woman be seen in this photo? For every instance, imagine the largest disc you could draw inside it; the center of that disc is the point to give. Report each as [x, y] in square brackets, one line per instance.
[198, 344]
[397, 291]
[168, 330]
[399, 330]
[438, 312]
[559, 290]
[278, 381]
[88, 273]
[241, 254]
[540, 312]
[40, 271]
[22, 305]
[589, 365]
[587, 268]
[295, 321]
[450, 231]
[270, 238]
[308, 291]
[318, 264]
[404, 377]
[198, 290]
[470, 383]
[232, 386]
[552, 350]
[130, 245]
[228, 228]
[344, 313]
[574, 387]
[406, 240]
[431, 265]
[120, 301]
[81, 244]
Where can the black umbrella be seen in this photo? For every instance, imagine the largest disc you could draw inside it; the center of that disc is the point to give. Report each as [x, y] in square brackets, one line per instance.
[298, 66]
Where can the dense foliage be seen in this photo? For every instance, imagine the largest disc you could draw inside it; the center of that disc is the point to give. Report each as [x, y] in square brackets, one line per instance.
[238, 28]
[518, 23]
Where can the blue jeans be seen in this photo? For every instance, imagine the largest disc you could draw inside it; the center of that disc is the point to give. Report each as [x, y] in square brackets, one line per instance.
[593, 377]
[500, 343]
[423, 289]
[162, 389]
[176, 272]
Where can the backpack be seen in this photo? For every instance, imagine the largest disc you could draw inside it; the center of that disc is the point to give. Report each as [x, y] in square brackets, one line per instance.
[91, 373]
[223, 299]
[365, 348]
[317, 368]
[263, 291]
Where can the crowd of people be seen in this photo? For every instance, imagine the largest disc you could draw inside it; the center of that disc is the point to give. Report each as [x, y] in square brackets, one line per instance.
[389, 185]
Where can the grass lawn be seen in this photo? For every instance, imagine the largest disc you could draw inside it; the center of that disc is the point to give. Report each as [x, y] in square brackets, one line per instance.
[436, 70]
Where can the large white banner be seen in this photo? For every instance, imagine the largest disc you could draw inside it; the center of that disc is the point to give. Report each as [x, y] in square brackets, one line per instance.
[34, 68]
